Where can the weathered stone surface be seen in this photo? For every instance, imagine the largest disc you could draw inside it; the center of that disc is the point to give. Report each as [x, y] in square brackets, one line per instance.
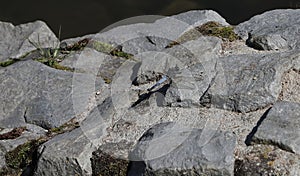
[66, 154]
[290, 86]
[15, 39]
[264, 159]
[272, 30]
[248, 82]
[142, 37]
[281, 127]
[168, 150]
[70, 153]
[35, 93]
[188, 139]
[88, 60]
[31, 132]
[190, 68]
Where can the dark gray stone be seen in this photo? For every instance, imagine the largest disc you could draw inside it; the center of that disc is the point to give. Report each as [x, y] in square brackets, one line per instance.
[281, 127]
[66, 154]
[15, 39]
[272, 30]
[167, 149]
[35, 93]
[247, 82]
[70, 152]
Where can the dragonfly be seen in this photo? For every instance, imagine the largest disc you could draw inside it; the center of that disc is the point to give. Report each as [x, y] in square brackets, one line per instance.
[145, 96]
[158, 83]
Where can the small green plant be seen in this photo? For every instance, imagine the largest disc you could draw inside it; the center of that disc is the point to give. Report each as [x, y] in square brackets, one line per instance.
[50, 56]
[47, 52]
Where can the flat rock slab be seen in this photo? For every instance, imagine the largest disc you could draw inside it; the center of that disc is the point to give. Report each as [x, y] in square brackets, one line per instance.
[35, 93]
[272, 30]
[281, 127]
[15, 39]
[166, 149]
[246, 83]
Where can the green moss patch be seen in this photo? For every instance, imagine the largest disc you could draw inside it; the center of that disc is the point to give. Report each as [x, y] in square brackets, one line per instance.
[22, 156]
[69, 126]
[213, 28]
[54, 64]
[109, 49]
[7, 62]
[104, 164]
[102, 47]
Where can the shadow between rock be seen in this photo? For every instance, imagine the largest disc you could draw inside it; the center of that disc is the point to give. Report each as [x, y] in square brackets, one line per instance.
[254, 130]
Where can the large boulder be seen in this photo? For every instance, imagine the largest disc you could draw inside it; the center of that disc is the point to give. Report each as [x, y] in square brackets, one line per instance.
[272, 30]
[247, 83]
[70, 153]
[167, 149]
[16, 40]
[37, 94]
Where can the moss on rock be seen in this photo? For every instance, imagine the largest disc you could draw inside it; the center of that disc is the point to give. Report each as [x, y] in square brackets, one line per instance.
[22, 156]
[210, 28]
[7, 62]
[54, 64]
[213, 28]
[111, 50]
[105, 164]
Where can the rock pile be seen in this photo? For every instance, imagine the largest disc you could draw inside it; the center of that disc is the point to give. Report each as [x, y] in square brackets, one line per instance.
[228, 103]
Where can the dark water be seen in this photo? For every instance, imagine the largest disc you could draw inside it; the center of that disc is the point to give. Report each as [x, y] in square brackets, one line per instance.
[79, 17]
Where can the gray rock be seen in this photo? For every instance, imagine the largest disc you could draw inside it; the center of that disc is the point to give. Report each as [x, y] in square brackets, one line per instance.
[35, 93]
[280, 127]
[15, 39]
[66, 154]
[189, 66]
[272, 30]
[142, 37]
[32, 132]
[70, 153]
[93, 62]
[166, 149]
[248, 82]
